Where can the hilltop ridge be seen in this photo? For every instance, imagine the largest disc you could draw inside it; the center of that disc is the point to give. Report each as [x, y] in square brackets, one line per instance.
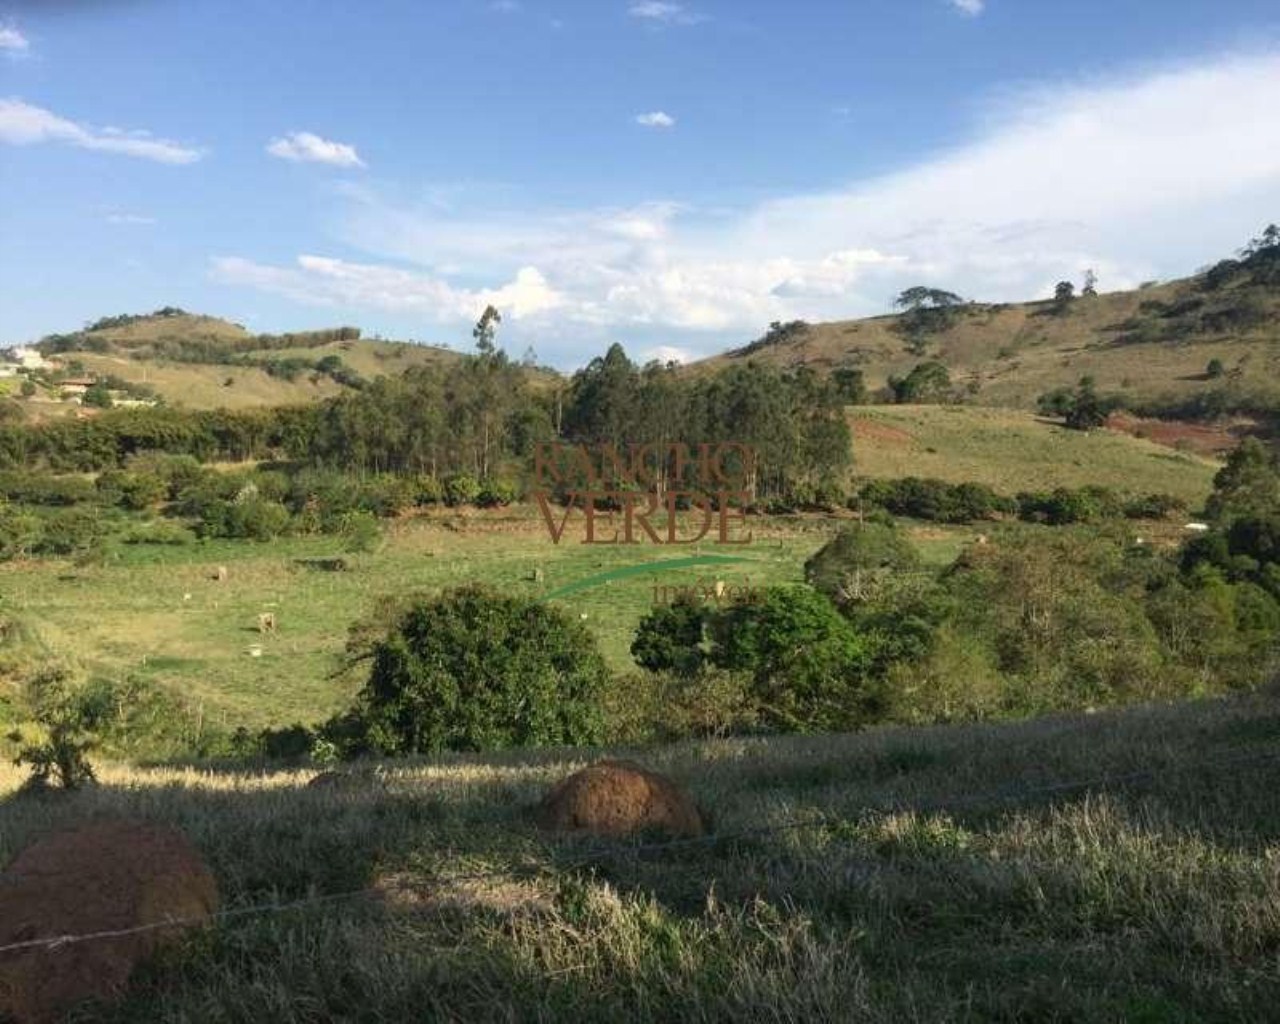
[1155, 344]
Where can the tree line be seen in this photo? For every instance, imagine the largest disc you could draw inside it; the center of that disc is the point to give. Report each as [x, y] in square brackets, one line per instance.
[481, 416]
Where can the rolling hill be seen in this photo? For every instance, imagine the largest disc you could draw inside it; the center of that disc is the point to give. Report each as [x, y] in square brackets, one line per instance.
[1153, 344]
[203, 362]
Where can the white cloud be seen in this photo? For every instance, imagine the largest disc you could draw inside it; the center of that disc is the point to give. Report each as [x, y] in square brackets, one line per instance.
[972, 8]
[1142, 177]
[656, 119]
[13, 41]
[668, 354]
[321, 280]
[22, 124]
[660, 12]
[305, 147]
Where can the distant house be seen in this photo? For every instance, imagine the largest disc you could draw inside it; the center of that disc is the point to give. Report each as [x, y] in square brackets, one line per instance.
[75, 387]
[30, 359]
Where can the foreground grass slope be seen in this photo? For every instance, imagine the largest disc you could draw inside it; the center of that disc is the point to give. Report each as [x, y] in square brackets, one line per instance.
[954, 874]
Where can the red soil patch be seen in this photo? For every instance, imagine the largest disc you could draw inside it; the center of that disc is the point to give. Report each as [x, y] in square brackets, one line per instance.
[616, 798]
[1200, 438]
[101, 877]
[871, 430]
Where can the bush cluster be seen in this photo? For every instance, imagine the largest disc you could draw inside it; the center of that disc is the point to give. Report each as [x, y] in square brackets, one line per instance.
[942, 502]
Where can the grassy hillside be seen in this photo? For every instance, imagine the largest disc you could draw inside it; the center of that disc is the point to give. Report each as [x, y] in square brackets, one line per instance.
[178, 354]
[1012, 451]
[1113, 867]
[1149, 343]
[211, 386]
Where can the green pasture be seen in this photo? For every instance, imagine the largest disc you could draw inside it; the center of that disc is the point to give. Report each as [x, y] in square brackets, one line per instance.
[160, 613]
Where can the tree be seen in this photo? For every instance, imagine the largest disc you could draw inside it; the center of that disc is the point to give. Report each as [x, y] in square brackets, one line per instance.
[1090, 288]
[69, 719]
[1063, 295]
[1057, 402]
[1268, 240]
[602, 405]
[807, 663]
[1088, 411]
[920, 297]
[28, 388]
[850, 385]
[1215, 369]
[486, 330]
[670, 638]
[926, 311]
[854, 563]
[928, 381]
[1248, 485]
[97, 395]
[1082, 409]
[492, 387]
[473, 669]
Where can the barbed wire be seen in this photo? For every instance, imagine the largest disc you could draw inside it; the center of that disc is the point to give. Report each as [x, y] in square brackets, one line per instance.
[600, 850]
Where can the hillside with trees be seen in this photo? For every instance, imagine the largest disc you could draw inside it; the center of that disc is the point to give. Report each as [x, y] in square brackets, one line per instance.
[1203, 346]
[204, 362]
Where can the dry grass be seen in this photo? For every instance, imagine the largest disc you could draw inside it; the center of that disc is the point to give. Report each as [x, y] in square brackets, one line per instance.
[1013, 451]
[1157, 899]
[1013, 353]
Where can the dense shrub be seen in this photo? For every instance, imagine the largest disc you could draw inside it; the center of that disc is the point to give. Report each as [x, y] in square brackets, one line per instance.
[857, 555]
[72, 532]
[1154, 506]
[496, 493]
[132, 490]
[461, 489]
[1060, 616]
[670, 638]
[249, 518]
[473, 669]
[35, 488]
[1248, 485]
[1064, 506]
[20, 532]
[359, 531]
[936, 500]
[427, 490]
[807, 664]
[68, 718]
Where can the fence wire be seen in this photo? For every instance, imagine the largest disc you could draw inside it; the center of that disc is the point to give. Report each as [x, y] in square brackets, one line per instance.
[596, 851]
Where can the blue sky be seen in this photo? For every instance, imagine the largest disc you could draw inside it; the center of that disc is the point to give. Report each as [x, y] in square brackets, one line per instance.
[670, 175]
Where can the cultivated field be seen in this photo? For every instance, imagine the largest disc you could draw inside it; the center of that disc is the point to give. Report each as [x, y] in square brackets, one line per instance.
[955, 874]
